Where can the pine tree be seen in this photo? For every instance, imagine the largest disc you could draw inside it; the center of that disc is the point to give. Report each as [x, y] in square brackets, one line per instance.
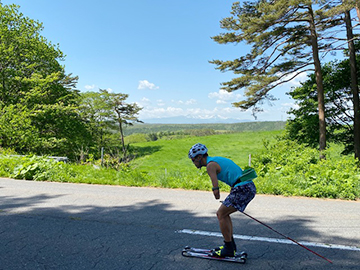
[340, 10]
[285, 41]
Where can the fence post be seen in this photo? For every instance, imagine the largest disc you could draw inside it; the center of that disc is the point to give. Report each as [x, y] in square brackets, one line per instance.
[102, 156]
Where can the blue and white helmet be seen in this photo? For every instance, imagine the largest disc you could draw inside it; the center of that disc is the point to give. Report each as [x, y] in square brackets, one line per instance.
[197, 149]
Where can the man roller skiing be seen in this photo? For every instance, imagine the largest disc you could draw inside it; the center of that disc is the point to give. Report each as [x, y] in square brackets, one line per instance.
[243, 190]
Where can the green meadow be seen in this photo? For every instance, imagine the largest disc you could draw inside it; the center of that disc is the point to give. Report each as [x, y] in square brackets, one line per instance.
[172, 154]
[283, 167]
[161, 163]
[167, 163]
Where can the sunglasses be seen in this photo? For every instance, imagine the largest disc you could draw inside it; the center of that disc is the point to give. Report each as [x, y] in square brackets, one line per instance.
[195, 158]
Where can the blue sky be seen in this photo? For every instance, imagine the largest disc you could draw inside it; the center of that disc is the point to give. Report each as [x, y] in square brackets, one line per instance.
[157, 51]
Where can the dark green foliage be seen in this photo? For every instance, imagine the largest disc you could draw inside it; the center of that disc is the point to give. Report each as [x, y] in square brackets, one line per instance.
[288, 168]
[107, 115]
[283, 167]
[38, 102]
[338, 107]
[281, 37]
[40, 169]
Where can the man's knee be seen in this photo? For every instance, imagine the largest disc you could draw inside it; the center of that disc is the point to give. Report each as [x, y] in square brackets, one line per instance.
[224, 212]
[221, 214]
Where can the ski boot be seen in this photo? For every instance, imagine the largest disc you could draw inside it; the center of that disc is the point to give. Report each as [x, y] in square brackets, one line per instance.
[227, 250]
[221, 247]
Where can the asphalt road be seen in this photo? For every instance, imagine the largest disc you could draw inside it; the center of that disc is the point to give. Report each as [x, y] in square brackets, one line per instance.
[74, 226]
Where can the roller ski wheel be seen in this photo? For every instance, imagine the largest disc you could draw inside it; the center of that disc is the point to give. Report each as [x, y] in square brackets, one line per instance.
[188, 251]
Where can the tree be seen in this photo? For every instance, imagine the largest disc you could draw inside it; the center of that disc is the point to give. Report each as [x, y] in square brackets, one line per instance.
[95, 110]
[124, 113]
[338, 107]
[35, 87]
[103, 110]
[341, 11]
[354, 82]
[28, 60]
[16, 129]
[284, 37]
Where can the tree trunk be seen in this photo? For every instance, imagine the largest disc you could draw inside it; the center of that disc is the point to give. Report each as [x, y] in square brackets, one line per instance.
[319, 84]
[354, 84]
[122, 138]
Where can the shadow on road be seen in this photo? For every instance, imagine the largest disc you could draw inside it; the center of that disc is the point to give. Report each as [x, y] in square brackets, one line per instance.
[141, 236]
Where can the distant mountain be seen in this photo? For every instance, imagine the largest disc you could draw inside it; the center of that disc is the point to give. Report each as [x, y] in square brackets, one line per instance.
[192, 120]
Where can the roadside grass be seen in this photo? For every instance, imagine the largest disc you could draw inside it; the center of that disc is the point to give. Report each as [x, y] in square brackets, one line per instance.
[283, 167]
[162, 163]
[289, 169]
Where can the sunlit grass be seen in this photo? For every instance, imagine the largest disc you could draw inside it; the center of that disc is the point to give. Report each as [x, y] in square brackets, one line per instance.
[284, 168]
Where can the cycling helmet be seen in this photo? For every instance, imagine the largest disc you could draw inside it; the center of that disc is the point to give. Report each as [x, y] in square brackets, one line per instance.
[197, 149]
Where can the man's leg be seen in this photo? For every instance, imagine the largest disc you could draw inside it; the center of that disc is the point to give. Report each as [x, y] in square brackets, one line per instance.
[225, 223]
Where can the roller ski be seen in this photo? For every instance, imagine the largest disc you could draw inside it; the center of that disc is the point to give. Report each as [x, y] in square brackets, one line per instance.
[213, 254]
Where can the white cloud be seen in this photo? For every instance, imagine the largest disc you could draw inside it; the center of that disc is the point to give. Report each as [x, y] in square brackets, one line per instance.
[222, 113]
[144, 102]
[219, 101]
[160, 108]
[295, 82]
[149, 112]
[191, 101]
[187, 102]
[93, 86]
[160, 102]
[90, 87]
[147, 85]
[288, 106]
[152, 112]
[224, 96]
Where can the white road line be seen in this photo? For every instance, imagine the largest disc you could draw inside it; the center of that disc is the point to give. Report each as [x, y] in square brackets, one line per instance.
[271, 240]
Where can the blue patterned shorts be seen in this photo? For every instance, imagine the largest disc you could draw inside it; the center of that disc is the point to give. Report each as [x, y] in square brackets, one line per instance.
[240, 196]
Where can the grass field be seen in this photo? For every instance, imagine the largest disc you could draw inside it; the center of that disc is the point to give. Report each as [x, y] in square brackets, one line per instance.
[162, 163]
[166, 162]
[283, 167]
[172, 154]
[218, 128]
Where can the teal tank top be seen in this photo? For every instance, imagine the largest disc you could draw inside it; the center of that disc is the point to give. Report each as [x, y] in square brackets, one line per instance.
[230, 171]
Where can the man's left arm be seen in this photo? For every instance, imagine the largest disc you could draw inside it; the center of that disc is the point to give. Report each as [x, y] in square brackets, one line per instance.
[212, 169]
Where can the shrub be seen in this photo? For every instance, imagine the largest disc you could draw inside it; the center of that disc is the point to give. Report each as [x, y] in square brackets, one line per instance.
[37, 168]
[287, 168]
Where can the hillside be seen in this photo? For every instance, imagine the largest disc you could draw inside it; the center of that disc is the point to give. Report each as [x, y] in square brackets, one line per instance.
[235, 127]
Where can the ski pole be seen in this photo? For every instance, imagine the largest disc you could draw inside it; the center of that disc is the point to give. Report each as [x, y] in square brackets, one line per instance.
[287, 237]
